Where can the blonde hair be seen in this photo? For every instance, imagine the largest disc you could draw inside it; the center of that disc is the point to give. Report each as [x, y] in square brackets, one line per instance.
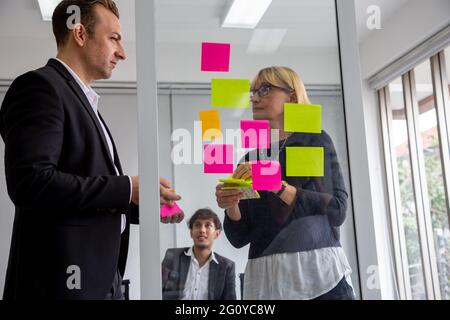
[283, 77]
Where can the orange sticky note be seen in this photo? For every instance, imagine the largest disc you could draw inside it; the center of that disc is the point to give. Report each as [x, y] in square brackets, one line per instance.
[210, 124]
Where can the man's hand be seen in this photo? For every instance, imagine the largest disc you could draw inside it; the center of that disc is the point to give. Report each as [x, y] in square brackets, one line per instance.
[176, 218]
[227, 199]
[167, 196]
[135, 190]
[166, 193]
[243, 171]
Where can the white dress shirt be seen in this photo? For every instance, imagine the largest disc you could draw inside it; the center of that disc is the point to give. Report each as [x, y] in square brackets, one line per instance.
[197, 280]
[93, 99]
[296, 276]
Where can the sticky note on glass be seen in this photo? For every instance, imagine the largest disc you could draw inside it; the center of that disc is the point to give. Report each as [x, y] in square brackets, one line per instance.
[302, 118]
[255, 134]
[230, 93]
[210, 124]
[168, 211]
[215, 57]
[218, 158]
[304, 161]
[266, 175]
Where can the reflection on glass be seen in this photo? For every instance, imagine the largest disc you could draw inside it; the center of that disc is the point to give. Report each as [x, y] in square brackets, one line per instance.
[291, 33]
[293, 228]
[197, 272]
[434, 174]
[409, 213]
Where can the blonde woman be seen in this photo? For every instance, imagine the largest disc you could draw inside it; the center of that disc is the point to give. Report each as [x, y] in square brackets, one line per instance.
[295, 252]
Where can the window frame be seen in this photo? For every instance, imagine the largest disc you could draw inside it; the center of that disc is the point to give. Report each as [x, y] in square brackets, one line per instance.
[417, 161]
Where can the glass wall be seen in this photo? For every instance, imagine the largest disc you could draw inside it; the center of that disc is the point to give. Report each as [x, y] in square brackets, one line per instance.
[301, 35]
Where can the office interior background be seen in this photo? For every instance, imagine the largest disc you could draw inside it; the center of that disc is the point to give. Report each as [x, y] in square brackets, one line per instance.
[380, 70]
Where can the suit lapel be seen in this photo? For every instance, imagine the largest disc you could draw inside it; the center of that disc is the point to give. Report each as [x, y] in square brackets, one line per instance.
[213, 273]
[116, 156]
[84, 101]
[184, 268]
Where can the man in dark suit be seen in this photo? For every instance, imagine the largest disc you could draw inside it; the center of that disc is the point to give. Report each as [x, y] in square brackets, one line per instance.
[198, 273]
[73, 204]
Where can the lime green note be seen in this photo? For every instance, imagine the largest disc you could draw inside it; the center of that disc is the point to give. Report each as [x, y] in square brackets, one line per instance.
[302, 118]
[244, 185]
[304, 161]
[230, 93]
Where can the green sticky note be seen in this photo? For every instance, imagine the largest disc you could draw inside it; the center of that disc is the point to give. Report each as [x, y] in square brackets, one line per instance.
[230, 93]
[304, 161]
[302, 118]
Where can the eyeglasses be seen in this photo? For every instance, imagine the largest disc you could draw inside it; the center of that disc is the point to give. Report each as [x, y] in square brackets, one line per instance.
[264, 90]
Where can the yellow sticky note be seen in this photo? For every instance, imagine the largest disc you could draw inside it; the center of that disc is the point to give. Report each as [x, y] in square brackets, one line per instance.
[302, 118]
[210, 124]
[230, 93]
[304, 161]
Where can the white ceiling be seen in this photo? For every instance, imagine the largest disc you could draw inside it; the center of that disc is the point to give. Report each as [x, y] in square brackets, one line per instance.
[387, 9]
[310, 23]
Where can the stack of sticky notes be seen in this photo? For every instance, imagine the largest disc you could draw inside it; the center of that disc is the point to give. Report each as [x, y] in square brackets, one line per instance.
[168, 211]
[245, 186]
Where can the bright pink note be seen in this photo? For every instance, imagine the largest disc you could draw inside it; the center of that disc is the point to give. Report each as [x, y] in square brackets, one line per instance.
[255, 134]
[218, 158]
[266, 175]
[215, 56]
[168, 211]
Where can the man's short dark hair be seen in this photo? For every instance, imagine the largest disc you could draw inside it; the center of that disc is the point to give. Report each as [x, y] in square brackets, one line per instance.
[88, 17]
[203, 214]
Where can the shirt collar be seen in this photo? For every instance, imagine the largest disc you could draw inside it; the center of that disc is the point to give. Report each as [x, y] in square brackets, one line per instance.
[212, 257]
[87, 90]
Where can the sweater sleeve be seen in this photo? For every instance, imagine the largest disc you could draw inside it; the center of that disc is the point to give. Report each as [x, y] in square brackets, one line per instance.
[324, 195]
[238, 232]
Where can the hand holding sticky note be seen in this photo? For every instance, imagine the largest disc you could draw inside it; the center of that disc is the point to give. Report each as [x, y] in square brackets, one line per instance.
[240, 184]
[171, 213]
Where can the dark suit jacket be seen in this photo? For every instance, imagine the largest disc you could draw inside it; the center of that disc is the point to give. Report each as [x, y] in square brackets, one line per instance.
[175, 267]
[61, 179]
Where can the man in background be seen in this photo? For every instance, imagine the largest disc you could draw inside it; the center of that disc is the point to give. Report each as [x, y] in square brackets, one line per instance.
[198, 273]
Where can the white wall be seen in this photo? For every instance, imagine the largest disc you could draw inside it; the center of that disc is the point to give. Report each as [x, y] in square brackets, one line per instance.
[315, 65]
[120, 113]
[404, 30]
[408, 27]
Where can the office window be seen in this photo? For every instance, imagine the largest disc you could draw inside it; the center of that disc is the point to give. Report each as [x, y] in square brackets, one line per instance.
[415, 110]
[431, 149]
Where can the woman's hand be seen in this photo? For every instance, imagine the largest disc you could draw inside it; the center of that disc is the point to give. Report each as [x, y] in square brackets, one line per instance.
[227, 199]
[243, 171]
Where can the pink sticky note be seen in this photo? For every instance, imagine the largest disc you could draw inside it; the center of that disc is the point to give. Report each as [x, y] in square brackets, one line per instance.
[218, 158]
[266, 175]
[215, 56]
[167, 211]
[255, 134]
